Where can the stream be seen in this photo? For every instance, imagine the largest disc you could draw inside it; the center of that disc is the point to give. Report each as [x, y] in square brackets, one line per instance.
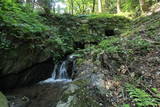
[46, 93]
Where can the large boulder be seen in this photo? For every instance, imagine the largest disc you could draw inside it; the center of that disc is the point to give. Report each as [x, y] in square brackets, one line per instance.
[16, 60]
[87, 90]
[22, 66]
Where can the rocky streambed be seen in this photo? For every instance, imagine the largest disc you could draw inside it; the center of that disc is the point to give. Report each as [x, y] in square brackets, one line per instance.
[86, 90]
[40, 95]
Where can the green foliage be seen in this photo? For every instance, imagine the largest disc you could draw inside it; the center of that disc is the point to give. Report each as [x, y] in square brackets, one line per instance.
[80, 6]
[131, 6]
[19, 24]
[13, 16]
[149, 25]
[103, 22]
[140, 97]
[138, 44]
[155, 90]
[79, 61]
[111, 45]
[3, 100]
[135, 43]
[125, 46]
[107, 6]
[4, 43]
[125, 105]
[58, 48]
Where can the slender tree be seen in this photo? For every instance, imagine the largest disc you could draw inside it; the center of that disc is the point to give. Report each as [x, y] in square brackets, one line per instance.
[93, 7]
[33, 4]
[99, 6]
[72, 7]
[118, 6]
[106, 5]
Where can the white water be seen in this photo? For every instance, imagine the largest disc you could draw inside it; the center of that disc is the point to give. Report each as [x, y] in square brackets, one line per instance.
[59, 74]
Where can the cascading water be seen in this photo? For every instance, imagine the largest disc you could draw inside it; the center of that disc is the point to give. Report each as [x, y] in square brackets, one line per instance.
[47, 92]
[60, 72]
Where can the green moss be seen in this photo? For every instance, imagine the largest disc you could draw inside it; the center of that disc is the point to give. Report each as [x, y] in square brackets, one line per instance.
[84, 99]
[3, 101]
[82, 83]
[148, 27]
[83, 96]
[110, 22]
[19, 24]
[78, 83]
[79, 61]
[111, 45]
[100, 16]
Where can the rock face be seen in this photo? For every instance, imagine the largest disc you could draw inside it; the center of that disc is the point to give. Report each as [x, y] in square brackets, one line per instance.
[16, 60]
[3, 101]
[87, 90]
[22, 66]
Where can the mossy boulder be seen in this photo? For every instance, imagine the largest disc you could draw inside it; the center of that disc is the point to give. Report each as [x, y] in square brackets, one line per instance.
[3, 101]
[78, 97]
[87, 90]
[23, 46]
[16, 60]
[24, 66]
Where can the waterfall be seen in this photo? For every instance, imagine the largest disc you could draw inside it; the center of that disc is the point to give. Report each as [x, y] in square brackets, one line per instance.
[60, 72]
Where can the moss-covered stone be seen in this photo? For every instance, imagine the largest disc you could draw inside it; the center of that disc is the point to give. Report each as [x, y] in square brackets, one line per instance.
[3, 101]
[85, 91]
[80, 97]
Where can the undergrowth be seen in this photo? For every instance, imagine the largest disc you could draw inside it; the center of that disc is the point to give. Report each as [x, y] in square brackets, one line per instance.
[141, 98]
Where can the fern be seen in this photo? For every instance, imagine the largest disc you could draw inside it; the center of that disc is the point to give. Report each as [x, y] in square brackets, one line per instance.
[155, 90]
[140, 97]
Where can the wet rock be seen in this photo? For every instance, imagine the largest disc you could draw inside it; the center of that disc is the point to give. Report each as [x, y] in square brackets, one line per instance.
[23, 66]
[28, 76]
[71, 89]
[17, 101]
[19, 59]
[40, 95]
[87, 90]
[68, 103]
[99, 82]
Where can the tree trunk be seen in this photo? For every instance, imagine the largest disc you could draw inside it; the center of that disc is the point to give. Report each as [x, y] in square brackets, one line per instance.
[33, 5]
[54, 6]
[58, 9]
[99, 6]
[106, 5]
[93, 8]
[72, 7]
[118, 6]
